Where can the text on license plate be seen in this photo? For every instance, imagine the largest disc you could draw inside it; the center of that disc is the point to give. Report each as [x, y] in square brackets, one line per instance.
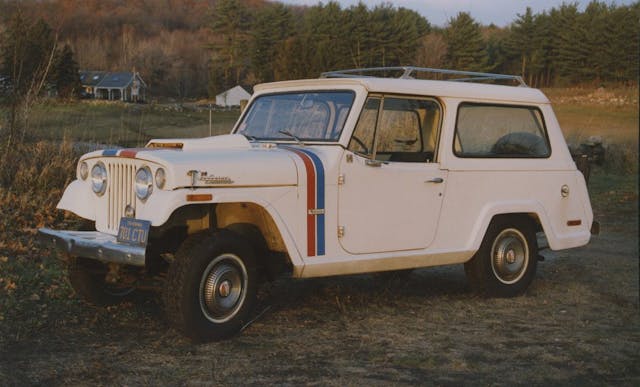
[133, 231]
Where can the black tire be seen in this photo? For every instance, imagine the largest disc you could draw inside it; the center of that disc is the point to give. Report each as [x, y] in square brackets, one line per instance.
[505, 264]
[88, 279]
[211, 286]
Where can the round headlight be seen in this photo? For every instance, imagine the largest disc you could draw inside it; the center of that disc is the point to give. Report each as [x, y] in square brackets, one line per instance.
[83, 170]
[161, 178]
[144, 183]
[99, 178]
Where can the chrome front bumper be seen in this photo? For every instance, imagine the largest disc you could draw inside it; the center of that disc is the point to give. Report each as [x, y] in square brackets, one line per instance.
[95, 245]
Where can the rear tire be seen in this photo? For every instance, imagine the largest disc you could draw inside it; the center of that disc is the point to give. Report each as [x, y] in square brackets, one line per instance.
[211, 286]
[88, 279]
[505, 264]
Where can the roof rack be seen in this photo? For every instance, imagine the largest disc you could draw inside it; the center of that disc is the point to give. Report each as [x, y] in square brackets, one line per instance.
[408, 72]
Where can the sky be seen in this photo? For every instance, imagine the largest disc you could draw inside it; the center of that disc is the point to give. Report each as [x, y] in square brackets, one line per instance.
[438, 12]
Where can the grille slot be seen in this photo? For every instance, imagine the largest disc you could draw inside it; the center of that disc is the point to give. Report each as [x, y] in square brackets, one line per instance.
[120, 191]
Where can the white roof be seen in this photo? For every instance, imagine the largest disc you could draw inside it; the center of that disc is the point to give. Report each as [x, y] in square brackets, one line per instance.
[451, 89]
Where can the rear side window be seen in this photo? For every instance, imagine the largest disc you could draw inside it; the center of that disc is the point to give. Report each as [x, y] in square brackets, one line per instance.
[500, 131]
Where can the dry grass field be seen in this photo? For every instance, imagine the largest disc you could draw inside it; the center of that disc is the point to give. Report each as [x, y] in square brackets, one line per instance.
[578, 324]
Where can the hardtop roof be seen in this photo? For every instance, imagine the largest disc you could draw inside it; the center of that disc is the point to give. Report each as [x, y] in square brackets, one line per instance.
[434, 88]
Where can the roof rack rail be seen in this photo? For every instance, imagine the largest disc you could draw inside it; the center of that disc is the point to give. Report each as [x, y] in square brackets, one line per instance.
[408, 72]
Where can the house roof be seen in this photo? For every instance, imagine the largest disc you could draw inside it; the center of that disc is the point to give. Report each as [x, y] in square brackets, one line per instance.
[107, 80]
[116, 80]
[235, 91]
[91, 78]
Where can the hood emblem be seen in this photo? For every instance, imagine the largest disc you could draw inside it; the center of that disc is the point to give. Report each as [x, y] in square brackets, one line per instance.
[205, 178]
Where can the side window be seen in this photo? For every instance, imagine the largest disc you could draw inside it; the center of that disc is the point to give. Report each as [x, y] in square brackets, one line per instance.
[406, 130]
[495, 131]
[362, 138]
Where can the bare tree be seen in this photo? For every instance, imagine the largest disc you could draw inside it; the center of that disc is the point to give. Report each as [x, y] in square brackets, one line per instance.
[27, 58]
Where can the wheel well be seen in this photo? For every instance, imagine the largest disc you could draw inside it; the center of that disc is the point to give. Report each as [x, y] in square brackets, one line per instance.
[272, 262]
[246, 219]
[531, 217]
[227, 214]
[192, 219]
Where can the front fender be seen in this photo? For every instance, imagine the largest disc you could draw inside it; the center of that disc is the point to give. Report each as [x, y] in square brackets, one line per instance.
[159, 207]
[161, 204]
[79, 199]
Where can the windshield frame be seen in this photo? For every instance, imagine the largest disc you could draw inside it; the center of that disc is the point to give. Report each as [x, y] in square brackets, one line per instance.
[286, 138]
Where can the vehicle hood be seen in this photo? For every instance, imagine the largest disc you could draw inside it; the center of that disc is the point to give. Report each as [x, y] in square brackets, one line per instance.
[220, 161]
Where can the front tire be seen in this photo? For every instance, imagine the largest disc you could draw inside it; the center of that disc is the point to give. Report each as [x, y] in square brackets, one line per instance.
[88, 278]
[211, 286]
[505, 264]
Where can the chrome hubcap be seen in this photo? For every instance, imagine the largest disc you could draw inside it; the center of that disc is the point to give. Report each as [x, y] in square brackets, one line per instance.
[223, 288]
[509, 256]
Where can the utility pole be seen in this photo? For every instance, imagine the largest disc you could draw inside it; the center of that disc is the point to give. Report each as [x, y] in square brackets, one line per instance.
[210, 107]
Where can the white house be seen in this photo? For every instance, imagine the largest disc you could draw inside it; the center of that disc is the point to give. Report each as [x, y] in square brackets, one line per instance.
[232, 97]
[124, 86]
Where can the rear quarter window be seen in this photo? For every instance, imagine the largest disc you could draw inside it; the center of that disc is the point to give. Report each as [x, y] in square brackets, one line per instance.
[500, 131]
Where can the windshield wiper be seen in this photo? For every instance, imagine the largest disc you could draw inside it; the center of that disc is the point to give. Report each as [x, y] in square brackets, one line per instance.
[287, 133]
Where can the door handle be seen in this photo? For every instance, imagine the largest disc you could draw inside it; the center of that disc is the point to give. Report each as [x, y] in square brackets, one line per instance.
[435, 180]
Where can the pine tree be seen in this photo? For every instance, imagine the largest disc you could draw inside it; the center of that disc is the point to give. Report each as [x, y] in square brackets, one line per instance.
[465, 45]
[566, 41]
[522, 44]
[65, 74]
[621, 52]
[272, 25]
[230, 56]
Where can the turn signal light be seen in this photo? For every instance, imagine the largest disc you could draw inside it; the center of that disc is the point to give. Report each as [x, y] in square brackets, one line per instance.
[199, 197]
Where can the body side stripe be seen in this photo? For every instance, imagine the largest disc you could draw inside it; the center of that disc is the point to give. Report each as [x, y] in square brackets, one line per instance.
[315, 200]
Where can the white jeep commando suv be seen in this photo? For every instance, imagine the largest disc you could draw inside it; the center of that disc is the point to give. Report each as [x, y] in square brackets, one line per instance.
[355, 172]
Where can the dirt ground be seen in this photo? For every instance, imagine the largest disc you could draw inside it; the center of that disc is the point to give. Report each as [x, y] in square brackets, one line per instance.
[578, 324]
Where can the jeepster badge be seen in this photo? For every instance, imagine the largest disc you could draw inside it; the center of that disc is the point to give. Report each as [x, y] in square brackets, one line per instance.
[214, 180]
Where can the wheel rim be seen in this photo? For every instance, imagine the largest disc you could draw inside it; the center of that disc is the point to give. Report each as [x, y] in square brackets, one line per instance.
[223, 288]
[509, 256]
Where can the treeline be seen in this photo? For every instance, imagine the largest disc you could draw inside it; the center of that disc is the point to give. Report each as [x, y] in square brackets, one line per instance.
[194, 48]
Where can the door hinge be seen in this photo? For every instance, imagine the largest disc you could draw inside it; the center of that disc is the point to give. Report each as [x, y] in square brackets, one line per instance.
[340, 231]
[340, 179]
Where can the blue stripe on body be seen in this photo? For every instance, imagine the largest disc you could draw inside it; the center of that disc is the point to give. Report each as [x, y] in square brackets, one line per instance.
[320, 200]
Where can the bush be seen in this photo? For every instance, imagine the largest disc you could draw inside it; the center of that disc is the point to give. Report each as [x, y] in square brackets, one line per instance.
[621, 159]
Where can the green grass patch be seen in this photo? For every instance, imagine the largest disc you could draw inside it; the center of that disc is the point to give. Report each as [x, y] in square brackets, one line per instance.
[614, 193]
[124, 124]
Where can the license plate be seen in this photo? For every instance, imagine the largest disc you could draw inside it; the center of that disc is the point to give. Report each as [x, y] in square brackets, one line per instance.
[133, 231]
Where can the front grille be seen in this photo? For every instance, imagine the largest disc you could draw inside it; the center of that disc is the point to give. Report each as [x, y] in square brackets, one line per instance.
[120, 191]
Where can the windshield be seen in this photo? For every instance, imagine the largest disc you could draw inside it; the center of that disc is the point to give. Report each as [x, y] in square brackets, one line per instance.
[300, 116]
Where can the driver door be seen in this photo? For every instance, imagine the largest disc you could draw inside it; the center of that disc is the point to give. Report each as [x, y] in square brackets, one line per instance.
[392, 189]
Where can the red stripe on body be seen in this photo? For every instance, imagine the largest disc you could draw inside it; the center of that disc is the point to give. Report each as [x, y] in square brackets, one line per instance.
[311, 202]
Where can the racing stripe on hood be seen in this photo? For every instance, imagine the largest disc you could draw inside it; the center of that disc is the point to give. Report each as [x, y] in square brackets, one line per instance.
[129, 153]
